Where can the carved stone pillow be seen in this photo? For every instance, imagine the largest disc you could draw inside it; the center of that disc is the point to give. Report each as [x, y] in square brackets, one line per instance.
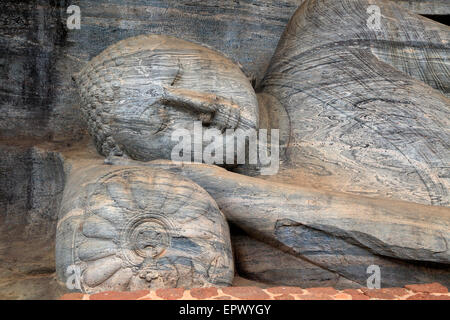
[131, 228]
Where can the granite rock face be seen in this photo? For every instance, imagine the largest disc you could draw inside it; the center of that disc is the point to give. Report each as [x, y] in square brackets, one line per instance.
[39, 54]
[32, 182]
[259, 261]
[338, 232]
[33, 93]
[132, 228]
[426, 7]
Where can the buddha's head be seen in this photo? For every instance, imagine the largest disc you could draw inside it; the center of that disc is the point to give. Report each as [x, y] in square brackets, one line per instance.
[137, 92]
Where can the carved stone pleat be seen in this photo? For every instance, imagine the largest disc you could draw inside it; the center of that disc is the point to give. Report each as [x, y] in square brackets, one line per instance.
[336, 232]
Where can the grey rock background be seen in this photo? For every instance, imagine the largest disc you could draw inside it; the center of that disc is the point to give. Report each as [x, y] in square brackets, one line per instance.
[31, 185]
[426, 7]
[38, 54]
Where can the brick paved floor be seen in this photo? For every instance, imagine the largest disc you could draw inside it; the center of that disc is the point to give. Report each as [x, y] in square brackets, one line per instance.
[432, 291]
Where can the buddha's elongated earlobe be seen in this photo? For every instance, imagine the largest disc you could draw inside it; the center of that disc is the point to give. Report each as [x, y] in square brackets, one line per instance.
[215, 110]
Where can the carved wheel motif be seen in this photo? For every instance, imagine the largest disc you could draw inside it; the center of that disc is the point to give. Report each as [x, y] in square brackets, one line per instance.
[145, 236]
[138, 228]
[124, 232]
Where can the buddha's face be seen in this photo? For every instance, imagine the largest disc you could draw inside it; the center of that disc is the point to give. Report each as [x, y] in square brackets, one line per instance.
[138, 92]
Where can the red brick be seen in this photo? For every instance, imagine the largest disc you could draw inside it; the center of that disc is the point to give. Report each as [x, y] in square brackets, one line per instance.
[356, 294]
[398, 292]
[342, 296]
[284, 297]
[223, 298]
[427, 288]
[170, 294]
[427, 296]
[246, 293]
[204, 293]
[378, 294]
[115, 295]
[328, 291]
[285, 290]
[315, 297]
[72, 296]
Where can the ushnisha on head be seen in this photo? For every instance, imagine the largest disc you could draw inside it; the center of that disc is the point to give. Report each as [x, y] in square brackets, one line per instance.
[137, 92]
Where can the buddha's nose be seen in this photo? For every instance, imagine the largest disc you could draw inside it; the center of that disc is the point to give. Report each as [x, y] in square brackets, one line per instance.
[212, 109]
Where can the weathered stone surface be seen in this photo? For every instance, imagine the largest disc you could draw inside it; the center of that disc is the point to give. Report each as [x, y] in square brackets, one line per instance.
[137, 92]
[39, 53]
[339, 232]
[360, 120]
[130, 228]
[31, 185]
[31, 189]
[259, 261]
[427, 7]
[33, 97]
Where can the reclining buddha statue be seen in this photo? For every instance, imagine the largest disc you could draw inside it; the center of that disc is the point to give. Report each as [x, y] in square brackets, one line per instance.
[363, 121]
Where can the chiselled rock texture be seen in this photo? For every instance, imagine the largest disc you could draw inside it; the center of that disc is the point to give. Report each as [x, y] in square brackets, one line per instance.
[368, 109]
[259, 261]
[39, 53]
[339, 232]
[32, 97]
[31, 186]
[431, 7]
[136, 93]
[131, 228]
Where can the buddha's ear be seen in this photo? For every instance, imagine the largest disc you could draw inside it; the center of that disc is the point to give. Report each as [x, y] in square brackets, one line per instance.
[214, 110]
